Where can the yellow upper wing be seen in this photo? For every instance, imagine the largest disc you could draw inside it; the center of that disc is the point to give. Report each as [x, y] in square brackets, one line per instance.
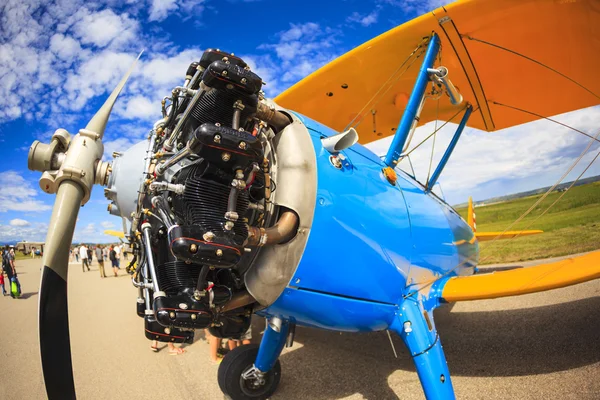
[560, 34]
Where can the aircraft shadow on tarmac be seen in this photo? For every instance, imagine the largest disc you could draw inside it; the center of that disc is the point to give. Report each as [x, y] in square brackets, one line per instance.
[479, 344]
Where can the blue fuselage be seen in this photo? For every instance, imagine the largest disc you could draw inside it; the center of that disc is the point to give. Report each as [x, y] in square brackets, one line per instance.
[370, 244]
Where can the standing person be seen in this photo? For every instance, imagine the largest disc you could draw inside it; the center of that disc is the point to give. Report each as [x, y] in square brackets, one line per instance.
[118, 253]
[76, 251]
[2, 282]
[214, 343]
[244, 339]
[89, 255]
[33, 252]
[100, 259]
[8, 261]
[6, 267]
[113, 259]
[173, 351]
[84, 258]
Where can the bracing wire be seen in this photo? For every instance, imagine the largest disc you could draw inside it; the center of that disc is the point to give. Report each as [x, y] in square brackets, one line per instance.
[437, 112]
[542, 117]
[561, 195]
[388, 83]
[470, 259]
[437, 109]
[534, 61]
[434, 132]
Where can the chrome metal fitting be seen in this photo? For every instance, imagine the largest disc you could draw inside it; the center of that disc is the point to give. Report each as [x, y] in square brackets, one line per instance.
[254, 374]
[231, 216]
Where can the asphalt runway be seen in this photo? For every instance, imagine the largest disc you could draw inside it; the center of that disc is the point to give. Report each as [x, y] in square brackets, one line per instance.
[539, 346]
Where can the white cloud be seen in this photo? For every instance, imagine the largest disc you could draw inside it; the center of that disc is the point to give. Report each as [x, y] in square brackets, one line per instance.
[19, 222]
[107, 224]
[142, 107]
[161, 9]
[103, 27]
[538, 152]
[119, 144]
[417, 6]
[65, 47]
[300, 50]
[364, 19]
[33, 233]
[18, 194]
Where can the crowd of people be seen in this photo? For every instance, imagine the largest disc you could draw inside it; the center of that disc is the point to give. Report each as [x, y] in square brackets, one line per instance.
[113, 253]
[103, 253]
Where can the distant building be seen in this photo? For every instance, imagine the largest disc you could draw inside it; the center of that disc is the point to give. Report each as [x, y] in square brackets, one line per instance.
[25, 247]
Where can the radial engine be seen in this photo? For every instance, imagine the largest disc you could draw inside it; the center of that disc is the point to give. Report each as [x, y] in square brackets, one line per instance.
[199, 200]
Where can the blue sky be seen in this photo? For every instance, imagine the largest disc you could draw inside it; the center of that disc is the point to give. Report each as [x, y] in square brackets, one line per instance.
[59, 60]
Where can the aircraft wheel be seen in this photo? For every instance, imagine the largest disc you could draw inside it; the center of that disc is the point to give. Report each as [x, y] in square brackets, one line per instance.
[237, 381]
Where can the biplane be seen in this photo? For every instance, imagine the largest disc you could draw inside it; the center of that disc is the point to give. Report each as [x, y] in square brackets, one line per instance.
[239, 205]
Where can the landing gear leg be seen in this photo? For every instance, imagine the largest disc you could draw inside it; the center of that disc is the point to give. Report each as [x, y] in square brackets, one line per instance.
[416, 328]
[252, 372]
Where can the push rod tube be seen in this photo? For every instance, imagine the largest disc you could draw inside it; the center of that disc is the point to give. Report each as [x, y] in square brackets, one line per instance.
[412, 108]
[149, 259]
[450, 149]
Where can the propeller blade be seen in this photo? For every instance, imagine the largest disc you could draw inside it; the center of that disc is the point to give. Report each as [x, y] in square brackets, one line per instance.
[55, 344]
[98, 122]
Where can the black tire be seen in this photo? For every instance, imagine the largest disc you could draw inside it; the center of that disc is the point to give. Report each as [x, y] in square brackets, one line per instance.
[230, 378]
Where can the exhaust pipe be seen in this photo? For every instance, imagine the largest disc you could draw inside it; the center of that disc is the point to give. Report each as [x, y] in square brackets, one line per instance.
[283, 231]
[273, 117]
[238, 300]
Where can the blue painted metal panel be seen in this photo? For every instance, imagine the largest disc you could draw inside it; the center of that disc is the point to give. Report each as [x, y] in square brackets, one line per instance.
[320, 310]
[434, 251]
[357, 214]
[467, 247]
[414, 102]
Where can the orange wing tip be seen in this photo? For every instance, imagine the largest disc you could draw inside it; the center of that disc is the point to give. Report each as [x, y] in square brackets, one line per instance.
[520, 281]
[486, 236]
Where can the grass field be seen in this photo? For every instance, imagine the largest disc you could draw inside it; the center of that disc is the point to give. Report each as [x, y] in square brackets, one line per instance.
[571, 226]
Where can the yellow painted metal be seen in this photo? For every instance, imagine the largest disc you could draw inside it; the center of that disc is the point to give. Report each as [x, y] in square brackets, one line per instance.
[560, 34]
[471, 215]
[486, 236]
[118, 234]
[524, 280]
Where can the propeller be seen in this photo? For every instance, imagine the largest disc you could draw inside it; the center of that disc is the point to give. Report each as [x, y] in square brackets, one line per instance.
[71, 175]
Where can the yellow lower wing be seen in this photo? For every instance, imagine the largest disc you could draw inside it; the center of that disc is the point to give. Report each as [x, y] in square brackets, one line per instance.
[114, 233]
[485, 236]
[524, 280]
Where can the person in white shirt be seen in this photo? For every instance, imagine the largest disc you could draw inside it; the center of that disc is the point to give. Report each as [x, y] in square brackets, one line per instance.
[84, 258]
[118, 254]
